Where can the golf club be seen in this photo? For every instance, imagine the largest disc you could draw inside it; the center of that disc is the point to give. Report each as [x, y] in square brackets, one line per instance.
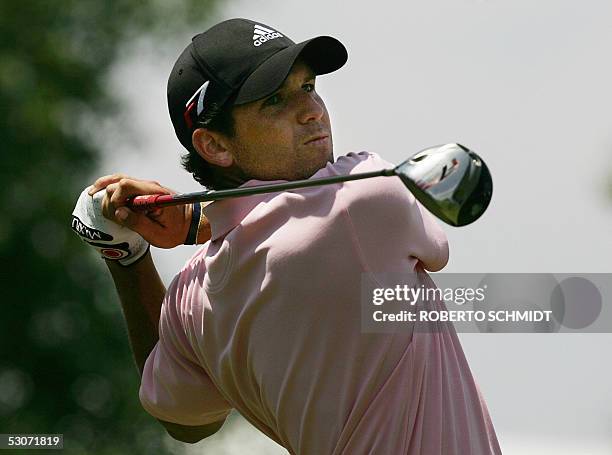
[450, 180]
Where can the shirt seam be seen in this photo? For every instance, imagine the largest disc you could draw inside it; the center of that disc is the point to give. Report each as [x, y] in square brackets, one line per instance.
[355, 240]
[214, 287]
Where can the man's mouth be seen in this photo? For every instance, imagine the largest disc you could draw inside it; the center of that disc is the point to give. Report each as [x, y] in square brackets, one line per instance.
[318, 139]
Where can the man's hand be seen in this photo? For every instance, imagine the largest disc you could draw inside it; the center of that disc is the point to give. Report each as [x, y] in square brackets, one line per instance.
[164, 228]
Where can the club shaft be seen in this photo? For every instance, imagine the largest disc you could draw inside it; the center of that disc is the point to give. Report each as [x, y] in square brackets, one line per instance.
[158, 201]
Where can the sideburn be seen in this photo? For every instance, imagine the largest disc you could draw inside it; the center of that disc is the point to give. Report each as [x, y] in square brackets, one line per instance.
[224, 178]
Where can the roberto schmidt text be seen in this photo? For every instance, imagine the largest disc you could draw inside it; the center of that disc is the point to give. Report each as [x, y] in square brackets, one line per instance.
[463, 316]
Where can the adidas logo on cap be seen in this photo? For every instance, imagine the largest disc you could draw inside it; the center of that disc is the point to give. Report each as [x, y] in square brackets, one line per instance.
[262, 34]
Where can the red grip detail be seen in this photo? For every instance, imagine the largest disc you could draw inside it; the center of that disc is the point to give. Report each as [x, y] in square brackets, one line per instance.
[148, 202]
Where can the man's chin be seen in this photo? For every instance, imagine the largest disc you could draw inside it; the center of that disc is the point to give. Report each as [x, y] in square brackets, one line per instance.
[307, 173]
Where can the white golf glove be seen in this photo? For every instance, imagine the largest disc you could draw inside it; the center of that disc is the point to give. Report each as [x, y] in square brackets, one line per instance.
[113, 241]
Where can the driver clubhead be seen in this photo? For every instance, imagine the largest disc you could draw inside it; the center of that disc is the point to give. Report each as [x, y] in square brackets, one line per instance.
[450, 180]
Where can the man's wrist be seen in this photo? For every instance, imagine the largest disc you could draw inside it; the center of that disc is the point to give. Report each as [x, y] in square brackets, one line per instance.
[192, 232]
[134, 266]
[199, 228]
[204, 231]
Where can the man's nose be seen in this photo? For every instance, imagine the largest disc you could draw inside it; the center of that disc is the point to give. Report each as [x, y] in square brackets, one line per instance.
[310, 108]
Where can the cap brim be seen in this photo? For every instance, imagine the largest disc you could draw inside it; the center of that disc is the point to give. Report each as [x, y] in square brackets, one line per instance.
[323, 54]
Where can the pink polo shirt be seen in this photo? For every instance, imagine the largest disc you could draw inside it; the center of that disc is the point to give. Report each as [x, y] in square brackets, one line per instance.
[265, 318]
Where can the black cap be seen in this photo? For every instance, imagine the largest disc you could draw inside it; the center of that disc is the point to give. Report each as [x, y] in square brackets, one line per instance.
[243, 58]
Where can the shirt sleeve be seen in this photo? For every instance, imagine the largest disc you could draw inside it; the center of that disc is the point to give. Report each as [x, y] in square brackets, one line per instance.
[390, 223]
[174, 386]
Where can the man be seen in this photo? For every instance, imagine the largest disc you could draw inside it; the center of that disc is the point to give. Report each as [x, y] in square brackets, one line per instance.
[265, 318]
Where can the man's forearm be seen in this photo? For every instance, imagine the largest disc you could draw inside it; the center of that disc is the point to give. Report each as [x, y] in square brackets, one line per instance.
[141, 292]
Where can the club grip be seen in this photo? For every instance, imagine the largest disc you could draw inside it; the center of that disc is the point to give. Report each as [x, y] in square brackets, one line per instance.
[152, 201]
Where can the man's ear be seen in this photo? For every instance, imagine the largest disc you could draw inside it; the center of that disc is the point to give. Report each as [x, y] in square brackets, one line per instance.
[211, 146]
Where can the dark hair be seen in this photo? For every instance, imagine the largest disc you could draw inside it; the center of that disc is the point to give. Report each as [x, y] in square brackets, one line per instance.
[216, 118]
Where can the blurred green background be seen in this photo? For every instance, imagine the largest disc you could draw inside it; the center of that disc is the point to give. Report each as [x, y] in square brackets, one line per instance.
[63, 343]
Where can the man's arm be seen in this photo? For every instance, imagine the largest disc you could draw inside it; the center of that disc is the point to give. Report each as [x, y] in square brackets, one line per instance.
[139, 286]
[190, 434]
[141, 292]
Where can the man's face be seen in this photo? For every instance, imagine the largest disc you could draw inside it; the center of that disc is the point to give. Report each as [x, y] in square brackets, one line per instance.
[285, 136]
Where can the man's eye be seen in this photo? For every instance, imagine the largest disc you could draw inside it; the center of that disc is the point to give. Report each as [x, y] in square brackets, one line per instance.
[308, 87]
[274, 99]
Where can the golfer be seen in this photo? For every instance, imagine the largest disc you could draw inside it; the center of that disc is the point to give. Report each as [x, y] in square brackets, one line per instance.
[265, 317]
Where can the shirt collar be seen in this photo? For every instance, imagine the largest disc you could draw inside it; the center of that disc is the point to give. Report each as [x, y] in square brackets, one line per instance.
[225, 214]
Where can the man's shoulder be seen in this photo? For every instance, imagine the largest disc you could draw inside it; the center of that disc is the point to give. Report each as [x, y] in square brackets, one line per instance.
[187, 276]
[363, 161]
[371, 189]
